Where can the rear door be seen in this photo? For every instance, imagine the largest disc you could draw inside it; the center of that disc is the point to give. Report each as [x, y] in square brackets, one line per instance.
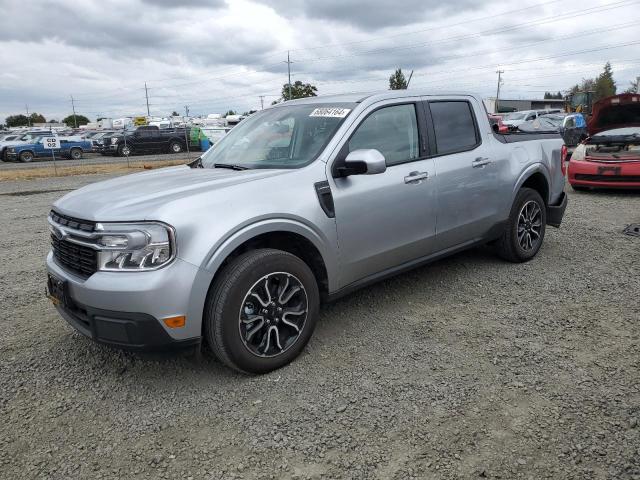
[468, 175]
[388, 219]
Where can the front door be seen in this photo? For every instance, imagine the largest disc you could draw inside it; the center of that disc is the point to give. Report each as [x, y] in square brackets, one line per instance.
[388, 219]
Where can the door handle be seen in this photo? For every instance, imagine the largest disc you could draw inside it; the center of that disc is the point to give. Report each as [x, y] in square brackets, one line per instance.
[480, 162]
[416, 177]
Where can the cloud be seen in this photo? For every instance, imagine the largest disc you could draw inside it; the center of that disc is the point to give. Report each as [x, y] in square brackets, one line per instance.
[368, 14]
[214, 55]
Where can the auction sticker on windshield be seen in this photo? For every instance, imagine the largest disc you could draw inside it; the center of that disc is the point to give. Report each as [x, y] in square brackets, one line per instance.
[333, 112]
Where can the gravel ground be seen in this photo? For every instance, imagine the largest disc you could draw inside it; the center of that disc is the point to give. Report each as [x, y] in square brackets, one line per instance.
[468, 368]
[94, 159]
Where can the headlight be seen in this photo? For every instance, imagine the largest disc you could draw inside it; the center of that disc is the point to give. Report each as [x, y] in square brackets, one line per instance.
[12, 150]
[135, 246]
[579, 152]
[114, 140]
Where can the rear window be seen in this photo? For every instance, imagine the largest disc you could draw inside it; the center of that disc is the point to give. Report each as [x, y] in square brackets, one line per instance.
[454, 126]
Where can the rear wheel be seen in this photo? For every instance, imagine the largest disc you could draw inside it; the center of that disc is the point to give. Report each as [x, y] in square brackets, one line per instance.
[175, 147]
[261, 311]
[26, 156]
[525, 231]
[76, 153]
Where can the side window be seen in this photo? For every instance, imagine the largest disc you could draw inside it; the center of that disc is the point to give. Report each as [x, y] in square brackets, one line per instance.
[393, 131]
[454, 126]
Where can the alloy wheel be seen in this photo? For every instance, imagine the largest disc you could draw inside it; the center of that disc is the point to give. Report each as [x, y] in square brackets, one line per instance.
[529, 225]
[273, 314]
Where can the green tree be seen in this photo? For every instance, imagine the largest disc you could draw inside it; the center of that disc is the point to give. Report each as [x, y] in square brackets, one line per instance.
[175, 114]
[605, 85]
[80, 119]
[397, 80]
[230, 112]
[553, 96]
[299, 90]
[37, 118]
[634, 86]
[17, 120]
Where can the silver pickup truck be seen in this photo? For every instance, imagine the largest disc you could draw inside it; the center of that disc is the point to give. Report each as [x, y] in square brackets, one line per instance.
[300, 203]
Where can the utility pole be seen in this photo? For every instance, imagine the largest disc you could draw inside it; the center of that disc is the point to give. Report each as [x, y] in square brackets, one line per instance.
[289, 62]
[499, 72]
[28, 119]
[409, 81]
[186, 111]
[261, 102]
[73, 107]
[146, 94]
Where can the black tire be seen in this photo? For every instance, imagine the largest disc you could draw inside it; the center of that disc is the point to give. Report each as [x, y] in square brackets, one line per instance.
[76, 153]
[513, 245]
[124, 151]
[228, 301]
[578, 188]
[26, 156]
[175, 147]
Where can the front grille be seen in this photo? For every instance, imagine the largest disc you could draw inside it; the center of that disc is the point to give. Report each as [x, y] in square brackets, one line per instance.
[71, 222]
[79, 259]
[607, 178]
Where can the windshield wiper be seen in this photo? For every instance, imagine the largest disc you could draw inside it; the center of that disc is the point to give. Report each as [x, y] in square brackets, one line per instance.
[230, 166]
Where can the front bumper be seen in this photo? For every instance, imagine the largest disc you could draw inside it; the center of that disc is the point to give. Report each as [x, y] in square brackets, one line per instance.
[583, 173]
[126, 309]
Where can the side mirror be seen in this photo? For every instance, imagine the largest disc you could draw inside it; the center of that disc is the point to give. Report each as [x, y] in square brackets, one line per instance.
[363, 162]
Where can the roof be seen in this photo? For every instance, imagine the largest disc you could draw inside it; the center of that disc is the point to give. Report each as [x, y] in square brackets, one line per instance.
[358, 97]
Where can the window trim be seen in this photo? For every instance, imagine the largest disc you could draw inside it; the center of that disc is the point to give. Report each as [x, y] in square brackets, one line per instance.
[433, 148]
[423, 151]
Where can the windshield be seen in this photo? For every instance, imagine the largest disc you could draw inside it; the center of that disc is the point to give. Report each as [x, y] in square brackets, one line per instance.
[281, 137]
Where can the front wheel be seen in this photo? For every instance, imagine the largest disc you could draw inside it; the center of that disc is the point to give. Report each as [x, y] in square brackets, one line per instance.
[124, 150]
[523, 236]
[26, 157]
[261, 311]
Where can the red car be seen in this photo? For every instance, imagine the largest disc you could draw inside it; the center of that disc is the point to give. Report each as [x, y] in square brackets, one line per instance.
[497, 125]
[610, 156]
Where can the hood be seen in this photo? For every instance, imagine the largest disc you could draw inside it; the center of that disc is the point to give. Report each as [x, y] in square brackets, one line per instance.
[12, 143]
[139, 196]
[617, 111]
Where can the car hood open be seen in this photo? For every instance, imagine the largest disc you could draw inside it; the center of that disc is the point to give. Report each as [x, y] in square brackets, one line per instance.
[616, 111]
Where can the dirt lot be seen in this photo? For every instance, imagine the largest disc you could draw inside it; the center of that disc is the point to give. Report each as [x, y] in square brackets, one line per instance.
[468, 368]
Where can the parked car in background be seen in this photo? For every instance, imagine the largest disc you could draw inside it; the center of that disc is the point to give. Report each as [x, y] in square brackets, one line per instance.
[21, 139]
[610, 156]
[497, 125]
[306, 200]
[69, 148]
[572, 127]
[514, 119]
[148, 139]
[97, 143]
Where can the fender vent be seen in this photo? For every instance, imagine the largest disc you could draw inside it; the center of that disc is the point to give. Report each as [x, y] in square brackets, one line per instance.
[323, 190]
[633, 230]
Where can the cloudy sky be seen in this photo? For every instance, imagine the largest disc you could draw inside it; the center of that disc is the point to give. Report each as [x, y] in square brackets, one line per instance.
[215, 55]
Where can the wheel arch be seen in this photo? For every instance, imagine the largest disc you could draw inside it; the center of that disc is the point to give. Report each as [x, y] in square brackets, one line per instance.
[535, 177]
[293, 237]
